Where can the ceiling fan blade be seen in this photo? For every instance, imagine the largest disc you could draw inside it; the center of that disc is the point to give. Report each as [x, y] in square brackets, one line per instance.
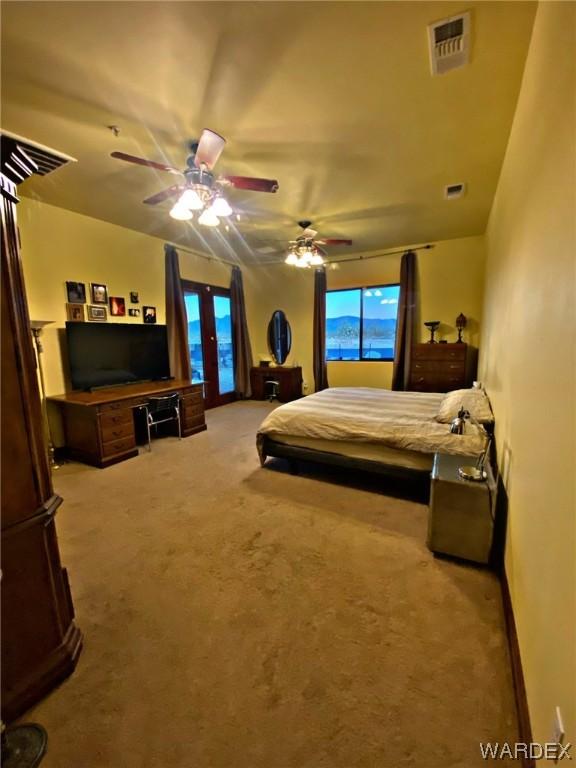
[256, 185]
[159, 197]
[309, 233]
[209, 149]
[333, 241]
[142, 161]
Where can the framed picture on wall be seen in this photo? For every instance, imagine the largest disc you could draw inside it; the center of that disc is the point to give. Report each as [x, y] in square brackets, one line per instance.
[117, 306]
[134, 299]
[99, 293]
[75, 313]
[75, 292]
[134, 312]
[97, 313]
[149, 314]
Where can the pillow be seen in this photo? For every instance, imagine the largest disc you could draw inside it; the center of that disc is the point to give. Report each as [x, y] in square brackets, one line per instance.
[473, 400]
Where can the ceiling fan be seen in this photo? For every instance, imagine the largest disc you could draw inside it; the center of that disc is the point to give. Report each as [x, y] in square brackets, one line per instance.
[200, 189]
[306, 250]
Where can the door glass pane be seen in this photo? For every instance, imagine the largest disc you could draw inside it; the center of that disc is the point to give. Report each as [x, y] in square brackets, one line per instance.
[192, 301]
[379, 310]
[223, 323]
[343, 325]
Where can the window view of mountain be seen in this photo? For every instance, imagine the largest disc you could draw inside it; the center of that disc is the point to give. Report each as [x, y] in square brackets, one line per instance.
[361, 323]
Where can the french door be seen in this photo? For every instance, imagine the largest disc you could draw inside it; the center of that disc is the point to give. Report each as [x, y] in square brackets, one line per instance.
[208, 309]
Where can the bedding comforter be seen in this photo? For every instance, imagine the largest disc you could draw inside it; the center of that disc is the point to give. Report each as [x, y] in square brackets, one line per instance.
[404, 420]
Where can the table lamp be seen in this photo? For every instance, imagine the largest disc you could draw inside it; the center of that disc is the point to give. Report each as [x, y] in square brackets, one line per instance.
[460, 325]
[475, 473]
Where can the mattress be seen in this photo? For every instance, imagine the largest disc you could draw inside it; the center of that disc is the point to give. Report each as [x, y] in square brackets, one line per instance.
[364, 415]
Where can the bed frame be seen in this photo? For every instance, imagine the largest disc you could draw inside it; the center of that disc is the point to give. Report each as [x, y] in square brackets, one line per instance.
[268, 447]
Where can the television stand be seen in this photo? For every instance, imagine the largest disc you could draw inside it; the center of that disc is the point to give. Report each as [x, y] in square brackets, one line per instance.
[99, 425]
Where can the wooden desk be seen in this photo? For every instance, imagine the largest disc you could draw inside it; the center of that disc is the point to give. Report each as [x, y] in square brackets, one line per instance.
[99, 426]
[289, 381]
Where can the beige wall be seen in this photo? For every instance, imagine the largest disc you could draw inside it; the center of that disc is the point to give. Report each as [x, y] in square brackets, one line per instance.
[528, 364]
[59, 245]
[451, 281]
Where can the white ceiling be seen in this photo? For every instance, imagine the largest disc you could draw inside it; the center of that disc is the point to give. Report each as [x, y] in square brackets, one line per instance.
[334, 99]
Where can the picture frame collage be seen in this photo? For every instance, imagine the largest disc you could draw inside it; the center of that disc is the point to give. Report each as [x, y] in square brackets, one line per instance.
[79, 311]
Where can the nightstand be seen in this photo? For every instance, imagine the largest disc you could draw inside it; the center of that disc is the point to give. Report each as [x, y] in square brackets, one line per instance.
[461, 512]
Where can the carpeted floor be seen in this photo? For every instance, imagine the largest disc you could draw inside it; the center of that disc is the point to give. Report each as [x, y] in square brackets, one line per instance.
[239, 617]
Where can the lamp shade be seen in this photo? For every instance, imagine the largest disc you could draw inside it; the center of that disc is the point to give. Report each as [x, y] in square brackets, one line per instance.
[190, 199]
[208, 218]
[180, 212]
[220, 207]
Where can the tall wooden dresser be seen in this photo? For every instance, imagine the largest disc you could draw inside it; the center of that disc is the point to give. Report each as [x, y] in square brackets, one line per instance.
[442, 367]
[40, 640]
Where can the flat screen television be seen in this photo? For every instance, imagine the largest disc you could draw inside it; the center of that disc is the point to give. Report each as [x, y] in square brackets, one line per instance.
[104, 354]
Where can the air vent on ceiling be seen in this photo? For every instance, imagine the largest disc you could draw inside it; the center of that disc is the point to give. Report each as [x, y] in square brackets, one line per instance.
[46, 159]
[449, 42]
[454, 190]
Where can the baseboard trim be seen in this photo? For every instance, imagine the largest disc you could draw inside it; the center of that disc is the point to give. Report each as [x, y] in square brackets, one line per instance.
[524, 727]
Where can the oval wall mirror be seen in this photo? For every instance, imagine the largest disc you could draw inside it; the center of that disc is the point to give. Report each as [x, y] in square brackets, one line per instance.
[279, 337]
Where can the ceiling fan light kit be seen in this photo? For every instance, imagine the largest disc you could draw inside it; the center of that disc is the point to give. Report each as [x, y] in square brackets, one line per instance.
[305, 251]
[200, 189]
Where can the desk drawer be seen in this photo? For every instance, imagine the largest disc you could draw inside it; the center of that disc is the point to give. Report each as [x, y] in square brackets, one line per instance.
[192, 408]
[191, 421]
[111, 407]
[115, 418]
[118, 446]
[116, 431]
[192, 397]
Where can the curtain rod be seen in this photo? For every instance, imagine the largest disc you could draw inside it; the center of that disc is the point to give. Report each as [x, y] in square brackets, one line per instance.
[202, 255]
[360, 257]
[281, 261]
[379, 255]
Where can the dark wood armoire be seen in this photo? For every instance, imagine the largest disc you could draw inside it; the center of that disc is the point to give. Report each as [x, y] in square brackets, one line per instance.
[40, 641]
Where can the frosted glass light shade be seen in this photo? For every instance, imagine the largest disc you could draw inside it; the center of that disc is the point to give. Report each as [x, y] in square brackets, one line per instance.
[291, 259]
[316, 260]
[208, 218]
[190, 199]
[220, 207]
[180, 213]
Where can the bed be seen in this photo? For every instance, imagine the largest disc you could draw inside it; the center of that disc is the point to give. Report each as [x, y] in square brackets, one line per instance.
[378, 430]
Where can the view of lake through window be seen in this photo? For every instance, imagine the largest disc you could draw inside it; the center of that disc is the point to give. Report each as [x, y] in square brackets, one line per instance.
[361, 323]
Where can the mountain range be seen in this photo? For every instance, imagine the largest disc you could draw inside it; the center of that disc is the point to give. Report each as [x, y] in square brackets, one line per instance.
[349, 325]
[223, 327]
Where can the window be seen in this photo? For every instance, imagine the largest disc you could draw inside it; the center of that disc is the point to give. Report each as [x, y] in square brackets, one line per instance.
[361, 323]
